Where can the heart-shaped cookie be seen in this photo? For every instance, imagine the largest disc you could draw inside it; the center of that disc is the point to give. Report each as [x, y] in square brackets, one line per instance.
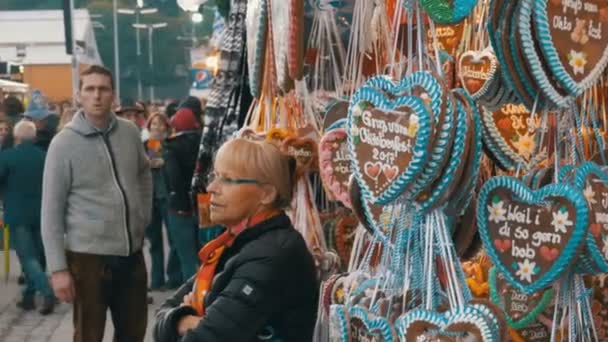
[511, 133]
[476, 70]
[335, 114]
[304, 150]
[377, 219]
[335, 164]
[448, 12]
[520, 309]
[427, 85]
[345, 236]
[453, 325]
[385, 133]
[364, 326]
[572, 37]
[593, 182]
[515, 224]
[339, 323]
[530, 46]
[448, 37]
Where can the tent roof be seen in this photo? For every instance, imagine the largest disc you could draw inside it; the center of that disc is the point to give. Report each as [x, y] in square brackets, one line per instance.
[14, 86]
[42, 35]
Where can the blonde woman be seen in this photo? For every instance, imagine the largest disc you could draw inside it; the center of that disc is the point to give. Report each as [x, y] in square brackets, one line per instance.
[257, 280]
[66, 116]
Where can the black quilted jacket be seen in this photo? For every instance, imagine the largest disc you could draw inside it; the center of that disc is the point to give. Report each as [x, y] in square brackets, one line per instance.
[265, 284]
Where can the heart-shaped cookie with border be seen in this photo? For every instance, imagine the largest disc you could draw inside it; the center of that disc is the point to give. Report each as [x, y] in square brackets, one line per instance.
[304, 150]
[335, 164]
[389, 142]
[476, 70]
[520, 309]
[573, 38]
[454, 325]
[364, 326]
[532, 237]
[593, 182]
[448, 12]
[256, 22]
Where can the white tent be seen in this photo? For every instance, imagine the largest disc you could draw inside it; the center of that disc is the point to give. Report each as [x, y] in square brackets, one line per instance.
[37, 37]
[13, 87]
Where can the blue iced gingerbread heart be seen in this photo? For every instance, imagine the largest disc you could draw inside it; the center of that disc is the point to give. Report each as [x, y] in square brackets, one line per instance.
[531, 236]
[448, 12]
[363, 325]
[456, 324]
[573, 41]
[592, 181]
[389, 142]
[338, 323]
[520, 310]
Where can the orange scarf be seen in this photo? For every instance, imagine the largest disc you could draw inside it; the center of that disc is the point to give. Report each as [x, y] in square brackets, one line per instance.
[210, 255]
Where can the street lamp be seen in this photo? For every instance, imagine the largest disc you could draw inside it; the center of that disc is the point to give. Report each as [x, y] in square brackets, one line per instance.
[137, 11]
[150, 28]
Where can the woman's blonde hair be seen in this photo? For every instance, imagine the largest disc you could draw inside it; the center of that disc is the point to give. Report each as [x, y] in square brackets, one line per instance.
[264, 162]
[66, 116]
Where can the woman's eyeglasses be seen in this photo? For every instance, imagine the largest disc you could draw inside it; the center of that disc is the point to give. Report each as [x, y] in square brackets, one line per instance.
[227, 180]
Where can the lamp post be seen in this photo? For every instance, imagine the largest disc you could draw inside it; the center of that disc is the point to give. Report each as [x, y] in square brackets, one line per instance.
[138, 11]
[150, 28]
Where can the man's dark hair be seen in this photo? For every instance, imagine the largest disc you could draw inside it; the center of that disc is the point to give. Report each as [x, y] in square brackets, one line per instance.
[96, 69]
[13, 107]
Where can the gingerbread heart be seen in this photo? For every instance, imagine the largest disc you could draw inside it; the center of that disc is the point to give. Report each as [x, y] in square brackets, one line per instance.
[334, 164]
[554, 217]
[593, 182]
[345, 236]
[448, 37]
[364, 326]
[476, 70]
[335, 114]
[393, 133]
[453, 325]
[520, 309]
[338, 323]
[511, 132]
[304, 150]
[448, 12]
[573, 39]
[376, 219]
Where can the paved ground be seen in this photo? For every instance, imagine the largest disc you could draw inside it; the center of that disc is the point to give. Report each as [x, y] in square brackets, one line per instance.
[19, 326]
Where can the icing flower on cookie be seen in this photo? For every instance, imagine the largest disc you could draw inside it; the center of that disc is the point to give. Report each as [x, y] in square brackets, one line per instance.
[526, 270]
[578, 60]
[525, 145]
[497, 212]
[560, 221]
[589, 195]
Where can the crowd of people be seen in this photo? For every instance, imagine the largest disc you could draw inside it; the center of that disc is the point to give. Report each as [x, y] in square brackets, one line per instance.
[170, 137]
[82, 190]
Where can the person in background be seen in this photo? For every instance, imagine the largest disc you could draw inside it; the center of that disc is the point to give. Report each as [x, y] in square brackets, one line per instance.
[258, 280]
[6, 136]
[46, 121]
[21, 170]
[180, 155]
[132, 111]
[66, 117]
[96, 205]
[13, 109]
[171, 109]
[195, 106]
[158, 125]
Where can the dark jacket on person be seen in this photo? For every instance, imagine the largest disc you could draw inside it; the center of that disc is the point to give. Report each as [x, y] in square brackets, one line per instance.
[44, 136]
[21, 170]
[180, 153]
[264, 284]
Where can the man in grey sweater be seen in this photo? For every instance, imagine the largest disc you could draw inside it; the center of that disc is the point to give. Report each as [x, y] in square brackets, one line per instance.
[96, 203]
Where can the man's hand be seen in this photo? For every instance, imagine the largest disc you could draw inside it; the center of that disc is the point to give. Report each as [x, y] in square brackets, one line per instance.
[187, 323]
[63, 286]
[157, 163]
